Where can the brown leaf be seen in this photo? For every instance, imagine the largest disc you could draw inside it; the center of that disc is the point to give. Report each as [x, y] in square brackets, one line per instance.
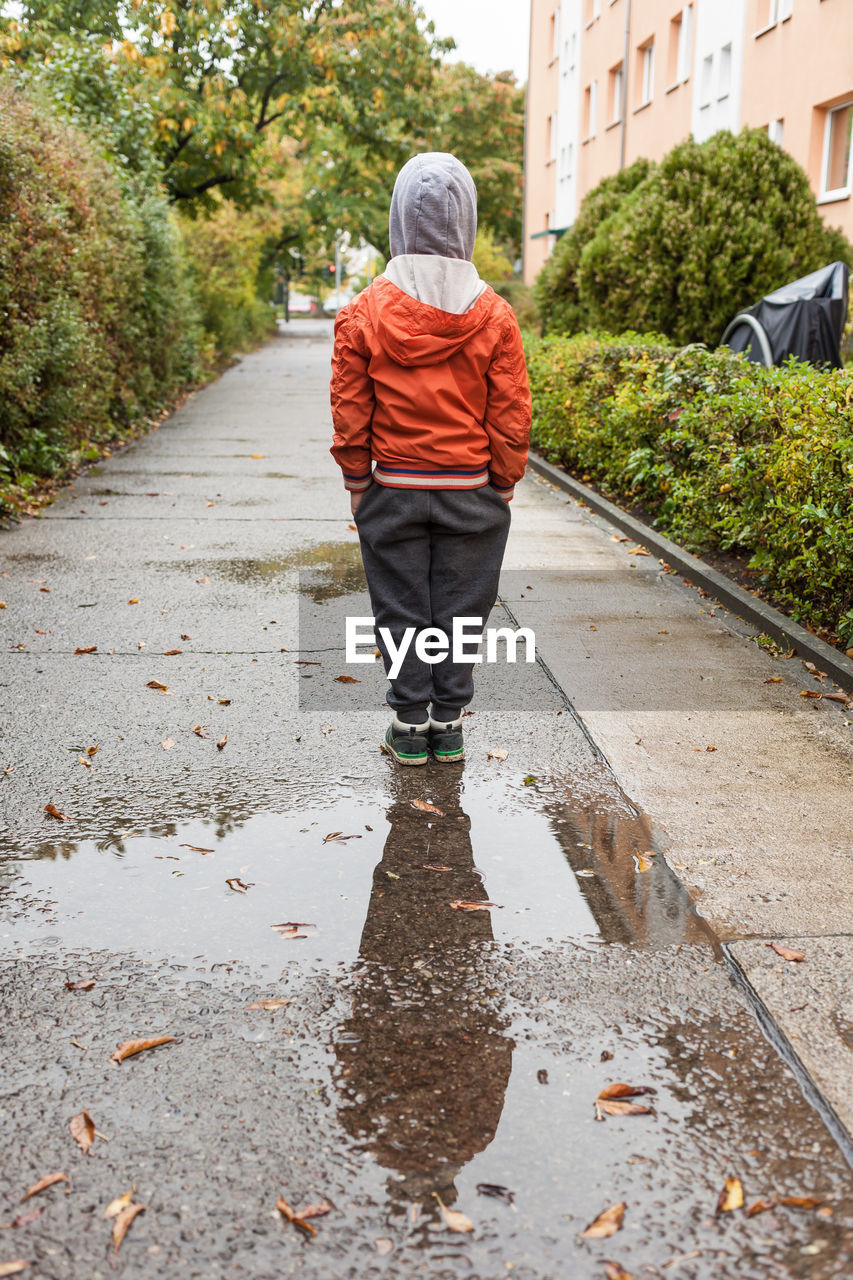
[202, 581]
[461, 904]
[155, 684]
[613, 1271]
[49, 1180]
[268, 1004]
[171, 653]
[625, 1090]
[200, 730]
[83, 1130]
[84, 761]
[639, 551]
[14, 1268]
[731, 1196]
[338, 837]
[810, 693]
[354, 527]
[237, 885]
[122, 1222]
[184, 636]
[383, 1243]
[135, 600]
[787, 953]
[92, 648]
[800, 1202]
[304, 662]
[82, 984]
[52, 812]
[453, 1219]
[121, 1202]
[347, 680]
[167, 744]
[427, 808]
[128, 1048]
[760, 1206]
[222, 743]
[289, 931]
[315, 1210]
[643, 862]
[497, 753]
[617, 1107]
[293, 1216]
[257, 455]
[23, 1219]
[196, 848]
[773, 680]
[433, 866]
[607, 1223]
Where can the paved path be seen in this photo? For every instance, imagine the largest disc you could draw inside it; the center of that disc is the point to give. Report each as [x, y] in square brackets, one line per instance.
[422, 1051]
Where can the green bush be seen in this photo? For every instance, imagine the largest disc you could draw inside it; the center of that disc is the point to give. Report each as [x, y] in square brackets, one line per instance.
[708, 231]
[724, 454]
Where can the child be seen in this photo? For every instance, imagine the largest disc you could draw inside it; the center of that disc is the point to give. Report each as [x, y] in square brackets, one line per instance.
[429, 383]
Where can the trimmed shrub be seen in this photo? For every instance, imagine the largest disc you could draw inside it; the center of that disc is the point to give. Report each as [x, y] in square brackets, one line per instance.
[708, 231]
[724, 454]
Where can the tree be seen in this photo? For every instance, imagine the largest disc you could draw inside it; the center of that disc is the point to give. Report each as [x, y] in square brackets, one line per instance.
[709, 231]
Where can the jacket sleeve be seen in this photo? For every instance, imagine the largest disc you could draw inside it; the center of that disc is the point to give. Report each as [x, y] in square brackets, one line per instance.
[352, 404]
[508, 411]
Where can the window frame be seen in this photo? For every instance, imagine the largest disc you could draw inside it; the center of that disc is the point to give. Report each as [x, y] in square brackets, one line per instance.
[826, 194]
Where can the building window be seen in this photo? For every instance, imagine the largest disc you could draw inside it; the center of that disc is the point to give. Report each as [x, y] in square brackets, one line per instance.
[615, 82]
[555, 35]
[724, 82]
[705, 87]
[647, 73]
[552, 137]
[680, 45]
[835, 180]
[776, 131]
[591, 10]
[590, 109]
[772, 11]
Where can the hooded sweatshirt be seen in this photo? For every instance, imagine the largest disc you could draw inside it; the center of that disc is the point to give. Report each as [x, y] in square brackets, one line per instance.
[428, 373]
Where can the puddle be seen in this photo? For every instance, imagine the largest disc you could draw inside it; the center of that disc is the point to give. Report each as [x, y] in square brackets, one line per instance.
[385, 882]
[326, 570]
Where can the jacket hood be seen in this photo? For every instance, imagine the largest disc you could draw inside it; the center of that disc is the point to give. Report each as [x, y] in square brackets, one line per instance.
[434, 207]
[415, 333]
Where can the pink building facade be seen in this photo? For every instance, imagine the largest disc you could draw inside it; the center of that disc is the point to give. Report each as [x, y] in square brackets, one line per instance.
[613, 80]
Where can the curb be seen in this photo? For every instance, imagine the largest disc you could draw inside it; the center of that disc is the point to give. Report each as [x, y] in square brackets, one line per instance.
[769, 621]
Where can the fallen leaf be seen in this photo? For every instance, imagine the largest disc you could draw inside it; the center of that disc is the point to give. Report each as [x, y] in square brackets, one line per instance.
[167, 744]
[237, 885]
[383, 1244]
[800, 1202]
[52, 812]
[787, 953]
[195, 848]
[268, 1004]
[773, 680]
[201, 581]
[810, 693]
[49, 1180]
[155, 684]
[128, 1048]
[453, 1219]
[140, 644]
[639, 551]
[643, 862]
[304, 662]
[710, 748]
[257, 455]
[78, 1045]
[760, 1206]
[135, 600]
[222, 743]
[171, 653]
[427, 808]
[92, 648]
[14, 1268]
[529, 780]
[200, 730]
[624, 1090]
[338, 837]
[346, 680]
[290, 930]
[293, 1216]
[122, 1222]
[315, 1210]
[498, 1192]
[731, 1196]
[349, 526]
[617, 1107]
[613, 1271]
[84, 760]
[82, 984]
[23, 1219]
[461, 904]
[121, 1202]
[607, 1223]
[83, 1130]
[497, 753]
[225, 702]
[2, 604]
[433, 866]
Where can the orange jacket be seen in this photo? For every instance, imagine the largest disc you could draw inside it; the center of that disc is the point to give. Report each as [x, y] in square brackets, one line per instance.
[437, 400]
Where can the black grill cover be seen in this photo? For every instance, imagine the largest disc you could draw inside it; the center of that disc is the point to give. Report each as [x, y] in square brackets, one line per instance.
[804, 319]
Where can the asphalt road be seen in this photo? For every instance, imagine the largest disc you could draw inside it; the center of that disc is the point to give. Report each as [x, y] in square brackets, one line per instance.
[414, 1054]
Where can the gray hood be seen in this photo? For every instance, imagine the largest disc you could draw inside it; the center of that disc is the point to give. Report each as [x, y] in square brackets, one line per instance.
[434, 208]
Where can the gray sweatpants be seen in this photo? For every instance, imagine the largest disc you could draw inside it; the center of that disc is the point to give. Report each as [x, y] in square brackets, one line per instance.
[431, 555]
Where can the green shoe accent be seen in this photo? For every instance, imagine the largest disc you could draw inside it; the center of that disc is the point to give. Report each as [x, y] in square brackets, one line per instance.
[407, 748]
[447, 745]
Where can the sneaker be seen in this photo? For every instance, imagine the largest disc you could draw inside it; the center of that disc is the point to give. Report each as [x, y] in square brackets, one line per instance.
[407, 743]
[445, 740]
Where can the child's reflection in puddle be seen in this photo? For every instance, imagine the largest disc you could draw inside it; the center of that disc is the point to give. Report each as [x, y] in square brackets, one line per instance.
[424, 1061]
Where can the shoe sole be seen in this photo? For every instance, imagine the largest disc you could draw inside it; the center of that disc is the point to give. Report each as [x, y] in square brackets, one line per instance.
[449, 757]
[405, 760]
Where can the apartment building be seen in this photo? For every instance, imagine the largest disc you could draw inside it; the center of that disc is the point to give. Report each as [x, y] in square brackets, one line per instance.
[613, 80]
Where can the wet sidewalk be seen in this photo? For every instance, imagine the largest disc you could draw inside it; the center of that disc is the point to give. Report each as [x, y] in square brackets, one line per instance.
[242, 869]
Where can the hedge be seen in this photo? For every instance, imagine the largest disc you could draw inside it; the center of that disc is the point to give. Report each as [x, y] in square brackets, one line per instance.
[723, 454]
[108, 306]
